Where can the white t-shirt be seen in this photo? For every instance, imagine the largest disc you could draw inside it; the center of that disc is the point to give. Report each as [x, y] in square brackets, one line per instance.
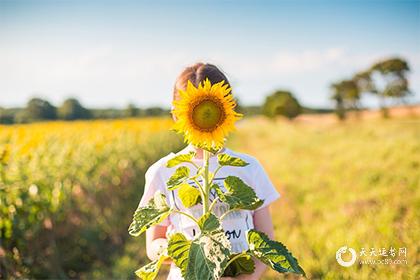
[234, 224]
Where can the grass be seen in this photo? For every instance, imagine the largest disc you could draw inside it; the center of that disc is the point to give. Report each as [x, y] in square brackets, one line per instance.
[354, 184]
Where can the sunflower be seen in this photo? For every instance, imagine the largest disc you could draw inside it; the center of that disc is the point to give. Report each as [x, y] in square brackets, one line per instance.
[205, 114]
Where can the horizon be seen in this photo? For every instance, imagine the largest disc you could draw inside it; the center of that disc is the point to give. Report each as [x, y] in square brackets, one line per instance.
[109, 54]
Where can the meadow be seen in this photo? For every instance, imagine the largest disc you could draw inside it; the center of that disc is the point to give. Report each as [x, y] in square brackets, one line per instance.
[68, 190]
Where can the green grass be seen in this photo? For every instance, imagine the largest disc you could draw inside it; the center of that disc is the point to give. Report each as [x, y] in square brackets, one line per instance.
[354, 184]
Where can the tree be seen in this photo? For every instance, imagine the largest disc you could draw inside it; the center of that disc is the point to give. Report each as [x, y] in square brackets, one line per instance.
[392, 72]
[282, 103]
[131, 110]
[71, 109]
[39, 109]
[347, 95]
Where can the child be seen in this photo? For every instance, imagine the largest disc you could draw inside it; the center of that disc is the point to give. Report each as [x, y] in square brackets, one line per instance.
[236, 223]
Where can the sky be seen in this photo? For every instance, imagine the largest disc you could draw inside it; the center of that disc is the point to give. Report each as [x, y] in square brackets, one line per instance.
[112, 53]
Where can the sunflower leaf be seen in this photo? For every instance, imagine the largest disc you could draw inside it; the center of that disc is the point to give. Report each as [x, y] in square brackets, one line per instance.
[179, 177]
[272, 253]
[153, 213]
[189, 195]
[227, 160]
[178, 250]
[242, 265]
[150, 270]
[238, 195]
[208, 222]
[180, 159]
[208, 256]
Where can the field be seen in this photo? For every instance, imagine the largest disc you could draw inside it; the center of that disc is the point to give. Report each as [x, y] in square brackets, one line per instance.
[68, 191]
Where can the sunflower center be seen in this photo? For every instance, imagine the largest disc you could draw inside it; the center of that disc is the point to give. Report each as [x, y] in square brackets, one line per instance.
[207, 114]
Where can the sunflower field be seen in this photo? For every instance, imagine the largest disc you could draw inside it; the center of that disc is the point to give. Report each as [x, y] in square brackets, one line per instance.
[68, 191]
[67, 194]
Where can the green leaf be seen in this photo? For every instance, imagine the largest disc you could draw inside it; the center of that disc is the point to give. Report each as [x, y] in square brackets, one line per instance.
[180, 175]
[153, 213]
[150, 270]
[208, 223]
[238, 195]
[178, 250]
[188, 195]
[225, 159]
[180, 159]
[208, 256]
[272, 253]
[242, 265]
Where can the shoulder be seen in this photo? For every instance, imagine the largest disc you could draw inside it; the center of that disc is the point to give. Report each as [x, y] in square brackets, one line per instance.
[156, 168]
[159, 167]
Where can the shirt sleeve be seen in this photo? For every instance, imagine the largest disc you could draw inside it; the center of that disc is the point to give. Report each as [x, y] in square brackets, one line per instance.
[264, 188]
[153, 183]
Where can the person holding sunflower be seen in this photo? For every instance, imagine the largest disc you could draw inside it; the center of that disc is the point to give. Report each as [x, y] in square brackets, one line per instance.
[203, 110]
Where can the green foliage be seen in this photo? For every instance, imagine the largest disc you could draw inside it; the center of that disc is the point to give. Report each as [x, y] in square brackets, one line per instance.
[188, 195]
[282, 103]
[180, 159]
[208, 256]
[179, 177]
[241, 265]
[150, 270]
[227, 160]
[238, 195]
[272, 253]
[71, 109]
[204, 257]
[39, 109]
[153, 213]
[208, 222]
[178, 250]
[347, 93]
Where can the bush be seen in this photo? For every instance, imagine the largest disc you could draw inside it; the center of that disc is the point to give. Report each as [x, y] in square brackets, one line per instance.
[282, 103]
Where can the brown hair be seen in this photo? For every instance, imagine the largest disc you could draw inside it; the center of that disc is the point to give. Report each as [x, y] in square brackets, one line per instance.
[196, 74]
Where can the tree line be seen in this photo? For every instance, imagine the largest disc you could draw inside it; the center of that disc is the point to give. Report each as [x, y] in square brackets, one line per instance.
[385, 79]
[38, 109]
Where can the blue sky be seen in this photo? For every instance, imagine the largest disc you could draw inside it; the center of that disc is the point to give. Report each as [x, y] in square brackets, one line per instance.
[110, 53]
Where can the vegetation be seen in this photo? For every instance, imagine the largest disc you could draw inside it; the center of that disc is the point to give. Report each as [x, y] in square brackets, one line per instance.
[354, 184]
[282, 103]
[67, 190]
[385, 79]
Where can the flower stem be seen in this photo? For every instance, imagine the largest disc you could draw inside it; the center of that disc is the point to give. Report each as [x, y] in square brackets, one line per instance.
[206, 183]
[187, 215]
[227, 213]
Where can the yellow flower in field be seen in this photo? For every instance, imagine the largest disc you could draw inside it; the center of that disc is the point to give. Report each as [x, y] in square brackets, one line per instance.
[205, 115]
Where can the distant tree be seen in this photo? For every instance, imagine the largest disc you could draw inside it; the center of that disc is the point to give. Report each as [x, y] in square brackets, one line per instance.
[282, 103]
[131, 110]
[239, 108]
[155, 111]
[393, 73]
[39, 109]
[71, 109]
[337, 96]
[346, 95]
